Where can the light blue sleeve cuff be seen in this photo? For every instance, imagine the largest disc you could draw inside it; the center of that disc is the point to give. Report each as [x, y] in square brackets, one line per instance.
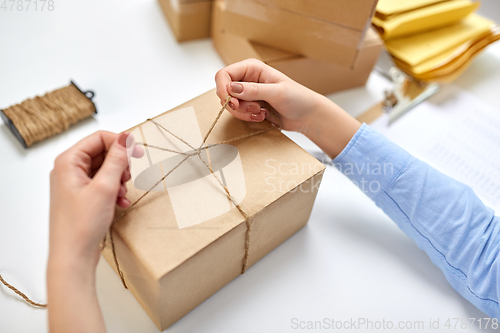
[371, 161]
[442, 215]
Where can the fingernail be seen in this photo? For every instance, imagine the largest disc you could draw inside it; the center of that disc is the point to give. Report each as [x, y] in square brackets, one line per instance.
[231, 105]
[236, 88]
[256, 117]
[122, 140]
[265, 112]
[130, 141]
[138, 151]
[253, 108]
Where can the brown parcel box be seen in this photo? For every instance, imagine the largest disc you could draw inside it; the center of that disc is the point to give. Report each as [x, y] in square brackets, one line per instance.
[293, 32]
[188, 19]
[355, 14]
[171, 267]
[320, 76]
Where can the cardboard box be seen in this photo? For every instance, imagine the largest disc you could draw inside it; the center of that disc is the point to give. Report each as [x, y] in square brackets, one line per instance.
[293, 32]
[188, 19]
[353, 14]
[185, 240]
[320, 76]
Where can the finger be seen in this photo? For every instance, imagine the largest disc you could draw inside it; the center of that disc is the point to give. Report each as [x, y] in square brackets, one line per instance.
[250, 111]
[81, 155]
[273, 118]
[97, 161]
[122, 192]
[138, 151]
[250, 70]
[251, 91]
[123, 202]
[126, 175]
[96, 143]
[234, 104]
[116, 162]
[251, 117]
[248, 107]
[133, 149]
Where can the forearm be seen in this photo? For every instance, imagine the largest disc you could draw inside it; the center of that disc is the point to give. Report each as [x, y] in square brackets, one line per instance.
[330, 127]
[72, 298]
[443, 216]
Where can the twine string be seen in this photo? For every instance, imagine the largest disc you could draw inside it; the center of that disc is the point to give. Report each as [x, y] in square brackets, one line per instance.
[23, 295]
[160, 126]
[206, 146]
[195, 152]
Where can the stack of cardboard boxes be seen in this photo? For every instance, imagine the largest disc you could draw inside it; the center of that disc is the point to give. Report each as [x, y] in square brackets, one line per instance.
[325, 45]
[189, 19]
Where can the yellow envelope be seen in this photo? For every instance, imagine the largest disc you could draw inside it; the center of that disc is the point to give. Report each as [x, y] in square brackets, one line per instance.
[450, 55]
[416, 49]
[451, 69]
[424, 19]
[386, 8]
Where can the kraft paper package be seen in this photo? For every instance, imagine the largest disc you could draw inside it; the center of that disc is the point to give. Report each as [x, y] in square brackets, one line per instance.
[322, 77]
[187, 238]
[266, 23]
[188, 19]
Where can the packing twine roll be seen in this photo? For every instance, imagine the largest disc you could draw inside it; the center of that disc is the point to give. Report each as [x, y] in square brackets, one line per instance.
[40, 118]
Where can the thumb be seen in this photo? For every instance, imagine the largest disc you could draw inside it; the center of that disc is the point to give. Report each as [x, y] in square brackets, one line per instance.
[251, 91]
[116, 162]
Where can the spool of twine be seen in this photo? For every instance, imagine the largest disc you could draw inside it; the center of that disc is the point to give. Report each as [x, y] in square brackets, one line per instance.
[39, 118]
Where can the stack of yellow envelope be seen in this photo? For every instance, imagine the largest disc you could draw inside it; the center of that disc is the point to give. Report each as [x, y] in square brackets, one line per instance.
[433, 40]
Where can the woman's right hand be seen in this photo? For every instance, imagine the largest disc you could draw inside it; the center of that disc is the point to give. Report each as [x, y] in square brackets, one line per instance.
[251, 81]
[251, 84]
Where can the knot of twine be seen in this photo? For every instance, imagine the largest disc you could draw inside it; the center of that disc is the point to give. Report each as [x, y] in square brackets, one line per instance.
[194, 152]
[42, 117]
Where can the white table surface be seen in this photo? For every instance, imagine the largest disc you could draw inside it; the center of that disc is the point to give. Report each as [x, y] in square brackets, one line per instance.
[350, 261]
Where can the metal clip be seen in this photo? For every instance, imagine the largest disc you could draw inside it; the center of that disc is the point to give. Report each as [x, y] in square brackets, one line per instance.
[406, 93]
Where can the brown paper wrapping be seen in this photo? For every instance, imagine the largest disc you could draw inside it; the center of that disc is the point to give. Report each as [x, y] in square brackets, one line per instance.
[170, 270]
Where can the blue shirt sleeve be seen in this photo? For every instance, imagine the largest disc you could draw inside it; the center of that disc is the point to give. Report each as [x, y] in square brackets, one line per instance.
[442, 215]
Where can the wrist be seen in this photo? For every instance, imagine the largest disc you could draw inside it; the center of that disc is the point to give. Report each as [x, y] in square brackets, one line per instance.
[316, 116]
[330, 127]
[66, 271]
[66, 258]
[69, 245]
[72, 263]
